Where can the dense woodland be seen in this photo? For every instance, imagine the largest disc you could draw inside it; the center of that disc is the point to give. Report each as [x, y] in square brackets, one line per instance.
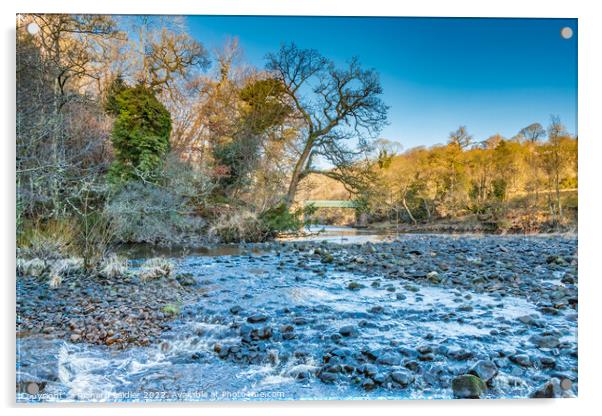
[526, 183]
[131, 131]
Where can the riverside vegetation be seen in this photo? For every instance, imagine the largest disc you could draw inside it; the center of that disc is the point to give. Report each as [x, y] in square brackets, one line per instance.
[130, 133]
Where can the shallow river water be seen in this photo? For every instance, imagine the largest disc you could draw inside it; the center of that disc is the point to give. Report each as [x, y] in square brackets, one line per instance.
[390, 319]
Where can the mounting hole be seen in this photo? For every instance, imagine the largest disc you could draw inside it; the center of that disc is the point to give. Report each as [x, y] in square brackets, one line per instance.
[566, 32]
[33, 28]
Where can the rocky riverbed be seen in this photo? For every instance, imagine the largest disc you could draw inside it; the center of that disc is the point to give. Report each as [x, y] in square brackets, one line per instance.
[420, 316]
[119, 312]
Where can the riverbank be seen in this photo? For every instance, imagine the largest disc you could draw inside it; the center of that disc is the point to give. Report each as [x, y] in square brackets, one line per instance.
[120, 312]
[404, 318]
[472, 224]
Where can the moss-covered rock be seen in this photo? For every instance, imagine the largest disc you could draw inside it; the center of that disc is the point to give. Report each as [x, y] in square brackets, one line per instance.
[355, 286]
[468, 386]
[326, 258]
[171, 309]
[186, 279]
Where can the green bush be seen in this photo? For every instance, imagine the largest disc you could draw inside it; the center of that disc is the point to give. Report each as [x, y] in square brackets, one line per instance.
[140, 134]
[280, 219]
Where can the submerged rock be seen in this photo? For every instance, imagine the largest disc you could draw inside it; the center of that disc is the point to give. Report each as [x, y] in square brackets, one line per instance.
[388, 359]
[186, 279]
[376, 309]
[302, 371]
[234, 310]
[529, 320]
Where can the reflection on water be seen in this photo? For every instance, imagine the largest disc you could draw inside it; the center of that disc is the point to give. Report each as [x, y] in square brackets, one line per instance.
[341, 235]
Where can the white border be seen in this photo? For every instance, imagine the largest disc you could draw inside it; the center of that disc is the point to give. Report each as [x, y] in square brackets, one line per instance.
[465, 8]
[590, 68]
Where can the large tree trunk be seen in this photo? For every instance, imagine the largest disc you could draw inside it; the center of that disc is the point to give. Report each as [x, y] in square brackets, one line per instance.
[297, 174]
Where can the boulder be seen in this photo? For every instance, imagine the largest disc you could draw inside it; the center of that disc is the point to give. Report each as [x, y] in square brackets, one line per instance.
[186, 279]
[468, 386]
[368, 369]
[355, 286]
[379, 378]
[545, 341]
[402, 377]
[257, 318]
[388, 359]
[433, 277]
[485, 370]
[521, 359]
[458, 353]
[327, 377]
[348, 331]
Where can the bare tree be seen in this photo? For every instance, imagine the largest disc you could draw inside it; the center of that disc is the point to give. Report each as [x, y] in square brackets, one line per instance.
[160, 53]
[56, 67]
[554, 161]
[459, 140]
[336, 106]
[460, 137]
[533, 132]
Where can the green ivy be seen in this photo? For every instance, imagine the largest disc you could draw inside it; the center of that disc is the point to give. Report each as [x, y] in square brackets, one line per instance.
[140, 134]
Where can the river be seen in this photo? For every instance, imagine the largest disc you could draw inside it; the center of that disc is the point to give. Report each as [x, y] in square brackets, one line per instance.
[303, 310]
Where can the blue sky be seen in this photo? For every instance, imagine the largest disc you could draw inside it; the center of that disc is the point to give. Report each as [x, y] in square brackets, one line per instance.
[492, 75]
